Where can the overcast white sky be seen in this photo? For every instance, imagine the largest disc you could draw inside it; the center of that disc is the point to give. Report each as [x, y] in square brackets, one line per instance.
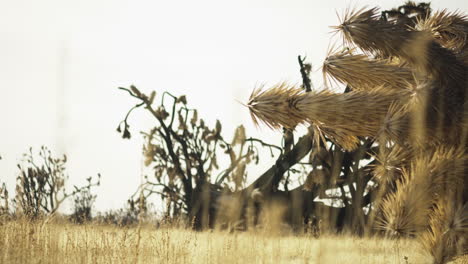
[61, 62]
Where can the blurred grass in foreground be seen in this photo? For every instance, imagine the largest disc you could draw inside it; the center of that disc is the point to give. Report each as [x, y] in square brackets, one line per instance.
[28, 242]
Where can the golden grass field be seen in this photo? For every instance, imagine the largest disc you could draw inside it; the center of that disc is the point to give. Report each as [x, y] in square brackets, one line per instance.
[26, 242]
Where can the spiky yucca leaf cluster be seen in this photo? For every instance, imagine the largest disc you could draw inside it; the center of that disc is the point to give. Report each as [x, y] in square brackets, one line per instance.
[363, 73]
[447, 235]
[275, 107]
[445, 168]
[390, 161]
[432, 88]
[450, 29]
[388, 39]
[342, 116]
[429, 176]
[378, 37]
[404, 213]
[439, 73]
[353, 114]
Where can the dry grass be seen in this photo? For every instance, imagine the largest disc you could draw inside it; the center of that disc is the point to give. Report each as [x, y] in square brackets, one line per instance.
[24, 242]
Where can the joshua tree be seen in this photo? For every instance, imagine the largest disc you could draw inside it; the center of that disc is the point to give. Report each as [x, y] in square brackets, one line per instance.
[393, 144]
[405, 72]
[183, 152]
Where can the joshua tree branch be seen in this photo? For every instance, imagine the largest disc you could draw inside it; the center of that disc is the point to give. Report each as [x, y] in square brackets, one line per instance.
[265, 144]
[222, 176]
[305, 70]
[187, 183]
[283, 163]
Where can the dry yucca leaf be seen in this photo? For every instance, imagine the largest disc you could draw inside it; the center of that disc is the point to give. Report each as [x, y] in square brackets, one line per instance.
[446, 237]
[357, 113]
[342, 116]
[450, 29]
[431, 114]
[275, 106]
[390, 161]
[404, 212]
[434, 172]
[395, 125]
[364, 29]
[444, 167]
[385, 39]
[363, 73]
